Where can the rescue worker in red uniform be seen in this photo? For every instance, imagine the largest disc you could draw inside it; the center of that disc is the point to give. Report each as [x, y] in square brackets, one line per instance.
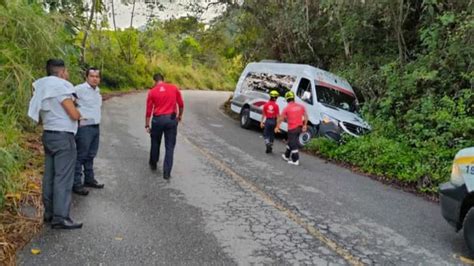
[270, 114]
[165, 102]
[297, 119]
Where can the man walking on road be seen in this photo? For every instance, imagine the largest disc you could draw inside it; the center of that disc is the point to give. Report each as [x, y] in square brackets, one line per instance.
[269, 120]
[297, 119]
[52, 104]
[89, 102]
[165, 102]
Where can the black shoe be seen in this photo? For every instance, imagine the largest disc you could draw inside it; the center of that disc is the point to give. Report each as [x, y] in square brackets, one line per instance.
[66, 224]
[93, 184]
[166, 176]
[153, 166]
[269, 148]
[80, 191]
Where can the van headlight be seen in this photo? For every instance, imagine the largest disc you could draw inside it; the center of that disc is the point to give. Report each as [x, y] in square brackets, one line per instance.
[326, 119]
[456, 176]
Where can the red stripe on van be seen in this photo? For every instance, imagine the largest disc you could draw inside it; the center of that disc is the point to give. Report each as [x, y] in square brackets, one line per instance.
[336, 88]
[259, 103]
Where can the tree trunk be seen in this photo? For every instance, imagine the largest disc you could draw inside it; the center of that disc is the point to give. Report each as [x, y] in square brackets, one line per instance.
[345, 41]
[113, 15]
[399, 20]
[129, 52]
[86, 33]
[122, 51]
[133, 13]
[308, 38]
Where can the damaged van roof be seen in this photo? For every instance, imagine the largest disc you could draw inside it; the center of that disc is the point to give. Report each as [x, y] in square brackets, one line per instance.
[322, 76]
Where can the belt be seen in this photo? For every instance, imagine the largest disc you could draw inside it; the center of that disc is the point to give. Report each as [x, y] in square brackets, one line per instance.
[96, 125]
[166, 115]
[58, 132]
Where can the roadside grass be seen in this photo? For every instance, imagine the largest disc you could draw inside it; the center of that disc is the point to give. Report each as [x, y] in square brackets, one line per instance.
[381, 159]
[193, 76]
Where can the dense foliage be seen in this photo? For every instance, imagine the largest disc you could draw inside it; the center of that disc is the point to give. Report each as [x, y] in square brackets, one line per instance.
[181, 49]
[27, 38]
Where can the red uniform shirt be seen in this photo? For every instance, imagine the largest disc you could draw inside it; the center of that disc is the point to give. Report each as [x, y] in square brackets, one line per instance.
[162, 100]
[271, 110]
[294, 113]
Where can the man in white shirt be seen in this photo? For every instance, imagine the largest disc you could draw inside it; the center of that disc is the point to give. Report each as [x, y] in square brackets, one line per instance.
[89, 102]
[52, 104]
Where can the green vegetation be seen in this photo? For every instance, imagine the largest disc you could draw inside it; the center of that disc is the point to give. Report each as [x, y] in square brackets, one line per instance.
[410, 60]
[27, 38]
[181, 49]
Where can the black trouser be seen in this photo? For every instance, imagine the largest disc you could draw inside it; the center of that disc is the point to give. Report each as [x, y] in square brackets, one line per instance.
[167, 125]
[87, 142]
[293, 144]
[269, 130]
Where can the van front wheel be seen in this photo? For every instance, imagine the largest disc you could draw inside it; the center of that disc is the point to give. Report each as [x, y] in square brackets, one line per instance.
[305, 137]
[469, 229]
[245, 120]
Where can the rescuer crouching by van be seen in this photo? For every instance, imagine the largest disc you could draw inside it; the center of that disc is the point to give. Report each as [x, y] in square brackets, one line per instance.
[297, 120]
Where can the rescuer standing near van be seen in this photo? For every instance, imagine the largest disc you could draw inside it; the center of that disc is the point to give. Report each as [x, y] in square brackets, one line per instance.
[270, 114]
[297, 119]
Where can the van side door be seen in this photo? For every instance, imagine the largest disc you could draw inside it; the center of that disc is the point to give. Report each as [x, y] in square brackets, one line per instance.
[306, 95]
[305, 91]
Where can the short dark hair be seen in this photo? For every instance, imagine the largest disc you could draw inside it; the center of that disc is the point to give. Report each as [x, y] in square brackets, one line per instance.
[91, 69]
[53, 66]
[158, 77]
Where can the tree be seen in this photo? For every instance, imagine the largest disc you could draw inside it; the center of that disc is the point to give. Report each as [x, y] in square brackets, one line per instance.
[96, 6]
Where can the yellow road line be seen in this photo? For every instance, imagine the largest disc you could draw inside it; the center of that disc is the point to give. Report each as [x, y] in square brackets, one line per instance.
[466, 260]
[463, 259]
[313, 231]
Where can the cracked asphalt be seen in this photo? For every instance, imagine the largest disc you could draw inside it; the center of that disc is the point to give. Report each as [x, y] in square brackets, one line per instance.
[230, 203]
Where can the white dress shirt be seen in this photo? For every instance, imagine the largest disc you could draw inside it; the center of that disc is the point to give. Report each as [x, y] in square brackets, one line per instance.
[48, 95]
[89, 102]
[54, 117]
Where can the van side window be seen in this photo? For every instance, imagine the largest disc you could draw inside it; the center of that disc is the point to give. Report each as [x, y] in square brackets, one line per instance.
[253, 82]
[304, 91]
[282, 90]
[265, 82]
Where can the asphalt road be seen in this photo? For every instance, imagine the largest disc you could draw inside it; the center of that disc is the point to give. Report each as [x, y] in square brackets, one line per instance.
[230, 203]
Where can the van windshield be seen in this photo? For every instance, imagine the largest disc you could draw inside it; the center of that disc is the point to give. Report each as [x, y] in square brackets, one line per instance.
[336, 98]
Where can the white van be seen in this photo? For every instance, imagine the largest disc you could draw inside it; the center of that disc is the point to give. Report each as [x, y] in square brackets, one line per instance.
[329, 100]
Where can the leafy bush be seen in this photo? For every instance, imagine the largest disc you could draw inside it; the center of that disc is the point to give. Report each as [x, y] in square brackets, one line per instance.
[180, 48]
[28, 37]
